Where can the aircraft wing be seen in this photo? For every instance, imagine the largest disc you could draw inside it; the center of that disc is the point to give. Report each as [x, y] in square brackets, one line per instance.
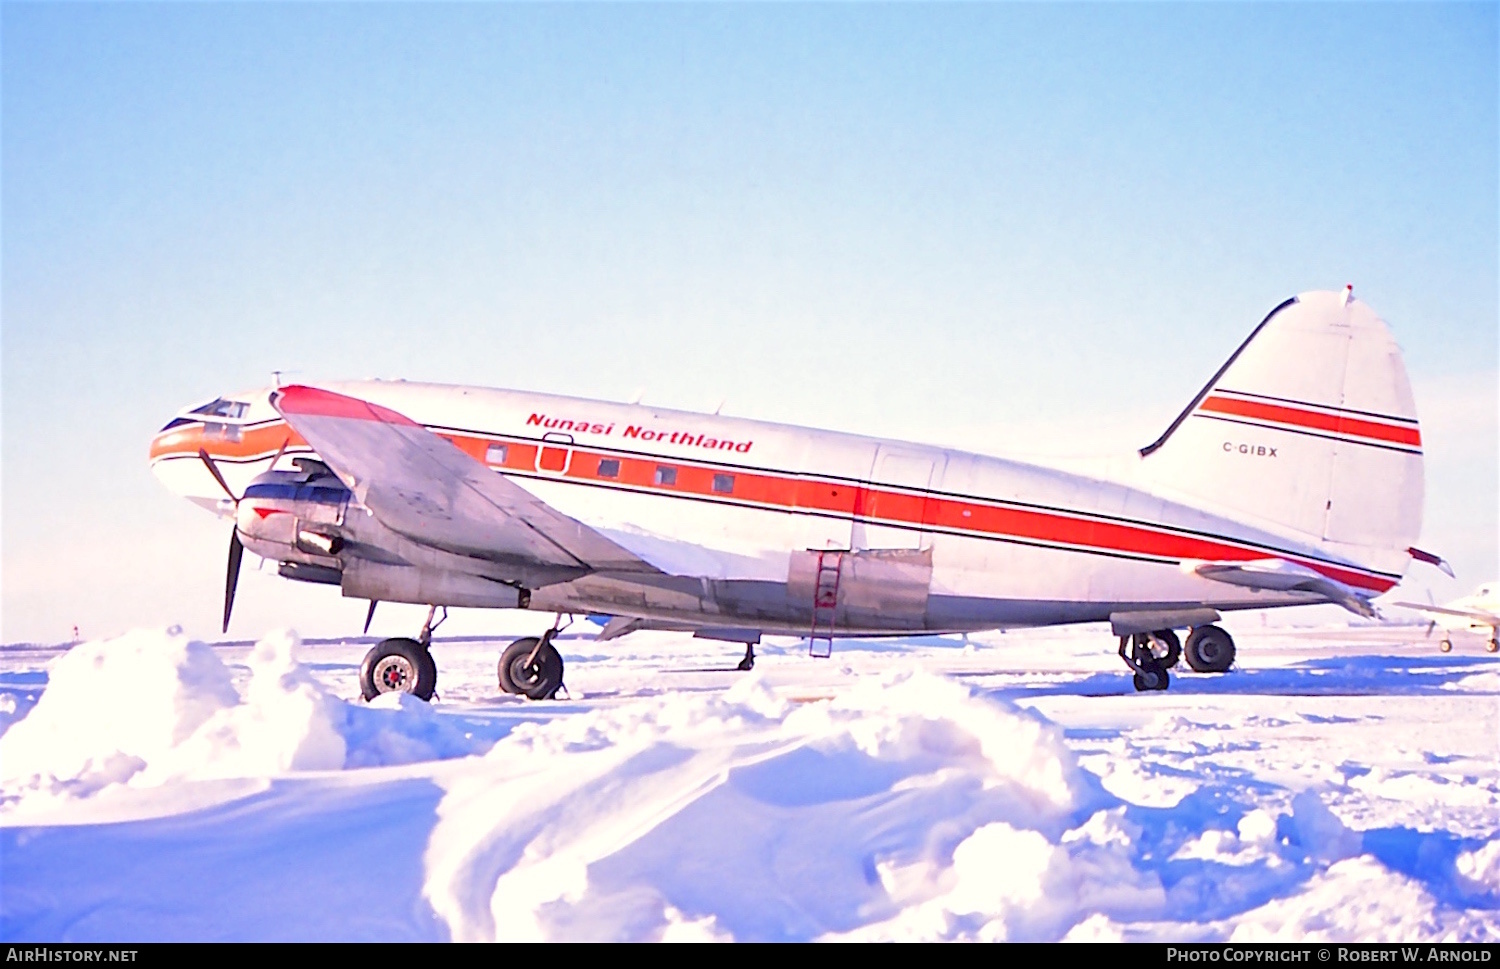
[1483, 615]
[423, 487]
[1280, 575]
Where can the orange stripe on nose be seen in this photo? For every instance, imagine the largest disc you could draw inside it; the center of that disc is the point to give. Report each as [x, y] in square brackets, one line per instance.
[265, 439]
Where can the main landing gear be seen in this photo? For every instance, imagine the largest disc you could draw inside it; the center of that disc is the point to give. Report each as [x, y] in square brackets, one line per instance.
[402, 665]
[1209, 649]
[1492, 646]
[532, 667]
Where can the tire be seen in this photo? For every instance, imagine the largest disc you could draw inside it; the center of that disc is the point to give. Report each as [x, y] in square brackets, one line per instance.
[1166, 647]
[398, 666]
[1142, 687]
[1209, 650]
[540, 679]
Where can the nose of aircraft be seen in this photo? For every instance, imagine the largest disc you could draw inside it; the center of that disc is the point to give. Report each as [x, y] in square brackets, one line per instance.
[219, 429]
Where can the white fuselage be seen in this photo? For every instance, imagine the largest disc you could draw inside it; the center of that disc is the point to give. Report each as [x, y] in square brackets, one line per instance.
[968, 541]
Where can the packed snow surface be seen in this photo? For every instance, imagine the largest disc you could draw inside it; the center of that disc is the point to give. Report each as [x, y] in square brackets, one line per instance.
[1334, 786]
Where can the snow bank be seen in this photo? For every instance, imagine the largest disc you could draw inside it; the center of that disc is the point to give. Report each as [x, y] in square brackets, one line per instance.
[910, 808]
[154, 707]
[1480, 868]
[1360, 900]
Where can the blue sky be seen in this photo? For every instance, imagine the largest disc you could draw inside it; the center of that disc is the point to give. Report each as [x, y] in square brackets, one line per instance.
[994, 226]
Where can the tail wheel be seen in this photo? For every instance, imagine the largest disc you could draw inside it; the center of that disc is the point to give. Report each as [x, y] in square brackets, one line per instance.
[398, 666]
[1209, 650]
[1152, 679]
[535, 676]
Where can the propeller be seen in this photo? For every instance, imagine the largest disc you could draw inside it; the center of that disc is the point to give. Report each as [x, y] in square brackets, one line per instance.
[236, 547]
[236, 553]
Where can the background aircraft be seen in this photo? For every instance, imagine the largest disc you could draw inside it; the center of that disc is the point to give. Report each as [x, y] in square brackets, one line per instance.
[1477, 613]
[1293, 476]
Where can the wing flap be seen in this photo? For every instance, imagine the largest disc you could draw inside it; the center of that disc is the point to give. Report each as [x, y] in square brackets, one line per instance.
[422, 486]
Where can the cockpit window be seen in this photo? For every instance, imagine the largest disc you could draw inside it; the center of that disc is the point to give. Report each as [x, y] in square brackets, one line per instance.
[232, 409]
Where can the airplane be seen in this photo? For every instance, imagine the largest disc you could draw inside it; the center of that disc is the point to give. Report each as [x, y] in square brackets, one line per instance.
[1476, 613]
[1294, 476]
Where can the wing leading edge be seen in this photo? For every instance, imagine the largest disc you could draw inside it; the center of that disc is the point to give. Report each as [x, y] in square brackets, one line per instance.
[426, 489]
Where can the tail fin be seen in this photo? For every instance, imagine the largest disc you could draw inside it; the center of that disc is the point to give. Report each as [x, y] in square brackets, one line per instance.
[1309, 425]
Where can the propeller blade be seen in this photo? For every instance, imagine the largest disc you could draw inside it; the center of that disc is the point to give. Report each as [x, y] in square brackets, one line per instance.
[213, 469]
[236, 553]
[371, 614]
[279, 452]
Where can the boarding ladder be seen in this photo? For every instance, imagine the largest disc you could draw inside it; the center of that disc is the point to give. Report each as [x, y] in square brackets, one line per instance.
[825, 603]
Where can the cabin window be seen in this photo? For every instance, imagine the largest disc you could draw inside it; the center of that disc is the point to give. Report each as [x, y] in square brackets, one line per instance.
[666, 475]
[724, 483]
[496, 454]
[609, 468]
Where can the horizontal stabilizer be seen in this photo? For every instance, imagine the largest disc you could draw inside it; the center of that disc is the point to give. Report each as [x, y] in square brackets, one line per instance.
[1279, 575]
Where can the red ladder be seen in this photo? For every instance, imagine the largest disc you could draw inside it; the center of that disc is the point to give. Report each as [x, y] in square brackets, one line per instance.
[825, 604]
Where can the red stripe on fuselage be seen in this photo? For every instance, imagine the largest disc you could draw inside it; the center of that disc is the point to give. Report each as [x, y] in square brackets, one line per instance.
[973, 517]
[877, 505]
[1338, 423]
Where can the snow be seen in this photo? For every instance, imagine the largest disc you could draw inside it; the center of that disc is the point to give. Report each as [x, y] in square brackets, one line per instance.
[1012, 786]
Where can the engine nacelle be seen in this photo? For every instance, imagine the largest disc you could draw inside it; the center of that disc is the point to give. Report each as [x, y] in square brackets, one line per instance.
[295, 516]
[408, 583]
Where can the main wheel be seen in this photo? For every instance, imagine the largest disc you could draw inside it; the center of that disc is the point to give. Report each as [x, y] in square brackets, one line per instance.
[1209, 650]
[1166, 647]
[398, 666]
[535, 678]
